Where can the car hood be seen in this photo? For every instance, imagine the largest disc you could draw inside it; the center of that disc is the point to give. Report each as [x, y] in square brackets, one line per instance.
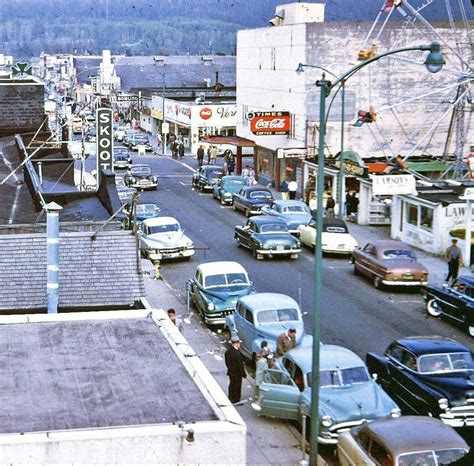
[294, 220]
[170, 239]
[276, 239]
[359, 401]
[231, 189]
[223, 298]
[453, 386]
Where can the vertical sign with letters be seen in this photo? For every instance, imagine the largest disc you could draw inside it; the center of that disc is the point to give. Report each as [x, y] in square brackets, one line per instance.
[105, 148]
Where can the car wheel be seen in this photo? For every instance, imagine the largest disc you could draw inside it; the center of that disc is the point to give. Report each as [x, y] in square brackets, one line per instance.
[234, 206]
[356, 270]
[432, 307]
[378, 282]
[257, 255]
[201, 188]
[238, 243]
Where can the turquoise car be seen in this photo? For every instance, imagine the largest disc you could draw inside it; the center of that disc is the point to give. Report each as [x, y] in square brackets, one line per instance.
[215, 289]
[225, 189]
[293, 213]
[348, 396]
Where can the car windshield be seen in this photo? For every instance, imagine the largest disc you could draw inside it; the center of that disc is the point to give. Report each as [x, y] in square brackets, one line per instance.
[273, 228]
[343, 377]
[447, 362]
[141, 170]
[294, 209]
[146, 209]
[214, 173]
[140, 138]
[163, 228]
[260, 195]
[277, 315]
[233, 182]
[332, 229]
[226, 280]
[121, 156]
[436, 457]
[398, 254]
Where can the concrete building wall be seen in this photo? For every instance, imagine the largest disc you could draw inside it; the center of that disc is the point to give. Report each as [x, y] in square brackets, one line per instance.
[22, 104]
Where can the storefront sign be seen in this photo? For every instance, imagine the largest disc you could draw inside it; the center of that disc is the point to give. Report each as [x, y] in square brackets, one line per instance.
[105, 148]
[291, 153]
[126, 98]
[393, 184]
[468, 194]
[269, 123]
[218, 116]
[205, 113]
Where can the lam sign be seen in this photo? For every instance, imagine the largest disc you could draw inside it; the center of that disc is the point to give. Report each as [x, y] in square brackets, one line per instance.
[386, 185]
[269, 123]
[105, 149]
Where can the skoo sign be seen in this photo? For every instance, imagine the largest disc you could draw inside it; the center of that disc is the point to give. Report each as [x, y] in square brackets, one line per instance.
[105, 148]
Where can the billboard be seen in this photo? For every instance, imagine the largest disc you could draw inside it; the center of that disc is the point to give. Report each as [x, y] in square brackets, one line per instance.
[105, 148]
[385, 185]
[270, 123]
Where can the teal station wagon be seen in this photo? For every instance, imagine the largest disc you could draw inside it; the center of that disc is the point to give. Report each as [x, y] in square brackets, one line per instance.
[348, 396]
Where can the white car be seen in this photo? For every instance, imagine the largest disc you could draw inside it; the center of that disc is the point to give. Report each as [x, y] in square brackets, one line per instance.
[163, 238]
[336, 238]
[119, 133]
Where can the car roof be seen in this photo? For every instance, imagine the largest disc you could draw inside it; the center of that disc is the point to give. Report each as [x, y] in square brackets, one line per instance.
[233, 177]
[141, 165]
[431, 345]
[331, 356]
[269, 301]
[211, 268]
[159, 221]
[414, 433]
[388, 244]
[283, 202]
[264, 219]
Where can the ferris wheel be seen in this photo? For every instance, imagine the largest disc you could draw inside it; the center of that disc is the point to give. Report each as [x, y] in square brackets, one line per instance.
[418, 115]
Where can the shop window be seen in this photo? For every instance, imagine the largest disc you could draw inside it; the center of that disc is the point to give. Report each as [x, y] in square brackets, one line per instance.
[426, 218]
[412, 214]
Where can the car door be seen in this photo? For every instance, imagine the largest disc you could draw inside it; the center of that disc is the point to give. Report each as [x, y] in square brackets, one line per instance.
[308, 233]
[365, 259]
[280, 397]
[245, 233]
[239, 326]
[453, 302]
[238, 199]
[249, 333]
[198, 298]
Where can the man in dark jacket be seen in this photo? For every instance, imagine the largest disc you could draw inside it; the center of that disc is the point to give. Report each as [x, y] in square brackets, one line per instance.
[235, 370]
[200, 155]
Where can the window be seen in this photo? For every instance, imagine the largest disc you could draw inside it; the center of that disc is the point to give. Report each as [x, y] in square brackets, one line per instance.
[379, 454]
[241, 309]
[395, 352]
[364, 440]
[426, 218]
[276, 377]
[249, 316]
[409, 360]
[298, 378]
[412, 214]
[277, 315]
[289, 365]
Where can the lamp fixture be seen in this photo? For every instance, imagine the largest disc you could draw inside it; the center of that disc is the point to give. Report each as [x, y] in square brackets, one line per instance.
[435, 60]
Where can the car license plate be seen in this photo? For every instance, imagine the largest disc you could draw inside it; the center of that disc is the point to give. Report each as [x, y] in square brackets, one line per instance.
[280, 248]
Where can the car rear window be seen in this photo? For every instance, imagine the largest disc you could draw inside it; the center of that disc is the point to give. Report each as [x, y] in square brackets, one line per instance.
[273, 228]
[294, 209]
[277, 315]
[423, 458]
[398, 254]
[260, 195]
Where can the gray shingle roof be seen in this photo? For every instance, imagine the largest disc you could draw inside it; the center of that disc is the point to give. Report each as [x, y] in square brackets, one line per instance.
[91, 273]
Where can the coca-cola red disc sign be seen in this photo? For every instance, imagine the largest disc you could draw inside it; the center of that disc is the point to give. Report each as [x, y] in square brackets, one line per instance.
[269, 123]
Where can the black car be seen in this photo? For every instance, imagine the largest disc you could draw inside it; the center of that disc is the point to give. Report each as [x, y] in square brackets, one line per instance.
[122, 158]
[141, 177]
[251, 199]
[455, 302]
[431, 376]
[205, 178]
[139, 140]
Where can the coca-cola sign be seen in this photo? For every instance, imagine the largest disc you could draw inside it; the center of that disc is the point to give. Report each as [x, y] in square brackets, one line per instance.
[205, 113]
[270, 123]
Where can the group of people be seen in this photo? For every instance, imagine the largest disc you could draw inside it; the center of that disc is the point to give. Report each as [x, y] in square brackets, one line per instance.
[264, 359]
[177, 148]
[211, 153]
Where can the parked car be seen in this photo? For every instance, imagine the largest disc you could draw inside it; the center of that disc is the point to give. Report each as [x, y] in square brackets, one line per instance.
[141, 177]
[120, 131]
[163, 238]
[408, 440]
[348, 396]
[145, 211]
[91, 134]
[129, 133]
[215, 289]
[122, 158]
[391, 263]
[265, 316]
[139, 139]
[336, 238]
[267, 236]
[454, 302]
[125, 193]
[294, 213]
[206, 177]
[431, 376]
[251, 200]
[225, 189]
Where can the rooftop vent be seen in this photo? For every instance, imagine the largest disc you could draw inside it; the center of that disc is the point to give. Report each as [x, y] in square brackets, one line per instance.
[297, 13]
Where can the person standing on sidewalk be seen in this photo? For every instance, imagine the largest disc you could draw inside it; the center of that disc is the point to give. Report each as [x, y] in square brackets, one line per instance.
[454, 258]
[213, 155]
[292, 188]
[284, 190]
[235, 369]
[200, 155]
[330, 205]
[181, 149]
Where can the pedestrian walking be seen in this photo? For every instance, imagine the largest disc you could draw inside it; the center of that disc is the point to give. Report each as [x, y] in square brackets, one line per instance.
[246, 174]
[292, 188]
[174, 149]
[235, 369]
[251, 178]
[181, 149]
[231, 166]
[260, 367]
[454, 258]
[200, 155]
[213, 155]
[284, 190]
[286, 341]
[208, 153]
[330, 205]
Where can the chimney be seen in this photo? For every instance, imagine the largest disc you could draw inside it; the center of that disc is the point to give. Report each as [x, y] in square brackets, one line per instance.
[52, 234]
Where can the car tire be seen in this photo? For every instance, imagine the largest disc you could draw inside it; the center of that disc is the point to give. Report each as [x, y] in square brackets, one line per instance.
[234, 206]
[356, 270]
[257, 256]
[239, 245]
[378, 282]
[201, 188]
[432, 308]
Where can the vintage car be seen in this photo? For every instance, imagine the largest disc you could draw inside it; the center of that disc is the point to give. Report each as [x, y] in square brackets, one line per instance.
[347, 397]
[428, 376]
[141, 177]
[265, 316]
[163, 238]
[335, 236]
[267, 236]
[404, 441]
[122, 159]
[294, 213]
[206, 177]
[120, 131]
[225, 189]
[125, 193]
[455, 302]
[128, 135]
[251, 199]
[391, 263]
[139, 139]
[144, 211]
[215, 289]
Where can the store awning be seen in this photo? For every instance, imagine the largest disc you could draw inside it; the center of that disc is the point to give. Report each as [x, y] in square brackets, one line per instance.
[233, 140]
[434, 166]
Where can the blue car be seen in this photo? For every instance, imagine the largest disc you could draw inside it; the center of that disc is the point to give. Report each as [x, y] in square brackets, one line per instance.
[294, 213]
[252, 199]
[225, 189]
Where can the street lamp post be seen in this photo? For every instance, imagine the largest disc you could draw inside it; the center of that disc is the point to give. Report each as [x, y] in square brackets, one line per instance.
[163, 134]
[434, 62]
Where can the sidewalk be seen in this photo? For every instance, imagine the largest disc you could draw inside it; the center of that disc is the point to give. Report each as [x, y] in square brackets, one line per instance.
[269, 441]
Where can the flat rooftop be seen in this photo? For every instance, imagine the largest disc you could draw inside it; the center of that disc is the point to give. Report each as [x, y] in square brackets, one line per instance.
[83, 374]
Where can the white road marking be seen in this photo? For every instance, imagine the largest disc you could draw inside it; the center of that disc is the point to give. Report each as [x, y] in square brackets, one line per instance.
[184, 165]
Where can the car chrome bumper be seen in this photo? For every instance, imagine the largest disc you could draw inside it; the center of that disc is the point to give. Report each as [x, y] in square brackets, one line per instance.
[163, 254]
[144, 186]
[404, 283]
[275, 252]
[337, 251]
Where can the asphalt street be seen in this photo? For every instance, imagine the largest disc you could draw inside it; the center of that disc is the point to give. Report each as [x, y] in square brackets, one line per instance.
[354, 314]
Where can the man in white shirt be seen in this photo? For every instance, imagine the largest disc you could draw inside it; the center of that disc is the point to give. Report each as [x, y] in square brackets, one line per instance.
[292, 188]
